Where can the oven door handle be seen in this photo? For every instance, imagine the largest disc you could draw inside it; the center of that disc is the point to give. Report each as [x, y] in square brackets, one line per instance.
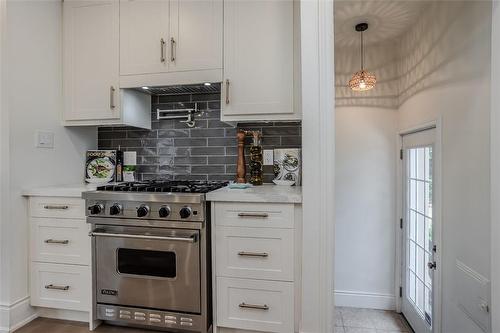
[191, 239]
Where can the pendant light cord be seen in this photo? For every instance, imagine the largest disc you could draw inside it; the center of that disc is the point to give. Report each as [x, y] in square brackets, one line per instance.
[362, 53]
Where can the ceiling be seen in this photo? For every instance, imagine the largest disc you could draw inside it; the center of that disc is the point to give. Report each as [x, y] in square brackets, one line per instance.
[387, 19]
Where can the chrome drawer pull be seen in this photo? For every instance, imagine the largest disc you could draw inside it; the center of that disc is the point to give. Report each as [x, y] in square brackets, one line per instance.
[192, 239]
[162, 50]
[54, 287]
[172, 49]
[57, 241]
[112, 97]
[254, 306]
[227, 91]
[253, 254]
[262, 215]
[55, 207]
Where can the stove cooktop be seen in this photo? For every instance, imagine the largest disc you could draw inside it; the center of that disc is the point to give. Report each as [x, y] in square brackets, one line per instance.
[169, 186]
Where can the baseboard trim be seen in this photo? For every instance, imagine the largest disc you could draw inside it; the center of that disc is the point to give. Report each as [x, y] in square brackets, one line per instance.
[16, 315]
[365, 300]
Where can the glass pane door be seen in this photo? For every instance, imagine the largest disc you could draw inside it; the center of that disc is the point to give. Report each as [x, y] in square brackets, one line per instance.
[418, 266]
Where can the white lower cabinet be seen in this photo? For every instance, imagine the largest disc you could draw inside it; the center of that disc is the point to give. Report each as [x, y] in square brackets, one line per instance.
[60, 286]
[255, 266]
[60, 248]
[255, 305]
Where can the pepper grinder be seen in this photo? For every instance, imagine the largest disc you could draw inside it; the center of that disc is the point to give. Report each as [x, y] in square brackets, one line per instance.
[241, 167]
[256, 160]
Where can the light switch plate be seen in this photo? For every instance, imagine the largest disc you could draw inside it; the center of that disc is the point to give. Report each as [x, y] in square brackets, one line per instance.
[268, 157]
[44, 139]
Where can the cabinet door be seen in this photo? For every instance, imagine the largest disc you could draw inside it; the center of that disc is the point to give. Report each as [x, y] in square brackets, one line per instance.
[258, 57]
[196, 34]
[144, 36]
[91, 77]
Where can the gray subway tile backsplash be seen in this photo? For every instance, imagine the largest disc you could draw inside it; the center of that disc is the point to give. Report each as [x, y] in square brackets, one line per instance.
[173, 150]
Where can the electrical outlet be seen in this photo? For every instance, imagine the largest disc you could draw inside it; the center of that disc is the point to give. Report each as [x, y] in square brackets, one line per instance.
[44, 139]
[268, 157]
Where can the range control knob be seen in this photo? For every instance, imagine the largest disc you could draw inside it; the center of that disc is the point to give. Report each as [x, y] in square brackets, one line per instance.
[164, 211]
[185, 212]
[142, 211]
[115, 209]
[96, 209]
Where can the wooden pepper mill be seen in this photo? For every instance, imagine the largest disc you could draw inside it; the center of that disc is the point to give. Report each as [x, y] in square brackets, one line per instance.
[241, 170]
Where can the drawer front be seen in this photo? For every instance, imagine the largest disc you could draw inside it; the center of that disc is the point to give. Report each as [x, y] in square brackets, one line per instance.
[255, 253]
[259, 215]
[64, 241]
[69, 208]
[265, 306]
[60, 286]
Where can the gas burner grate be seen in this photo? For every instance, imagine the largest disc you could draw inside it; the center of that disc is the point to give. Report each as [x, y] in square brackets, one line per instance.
[176, 186]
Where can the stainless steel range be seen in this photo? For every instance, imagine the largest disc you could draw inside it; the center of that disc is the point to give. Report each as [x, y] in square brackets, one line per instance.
[151, 254]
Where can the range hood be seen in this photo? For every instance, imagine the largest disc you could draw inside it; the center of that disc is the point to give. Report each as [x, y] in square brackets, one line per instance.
[203, 88]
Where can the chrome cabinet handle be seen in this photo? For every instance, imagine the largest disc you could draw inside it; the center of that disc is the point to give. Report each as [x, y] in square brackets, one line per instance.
[162, 50]
[227, 91]
[253, 254]
[57, 241]
[54, 287]
[63, 207]
[262, 215]
[178, 239]
[112, 97]
[172, 49]
[254, 306]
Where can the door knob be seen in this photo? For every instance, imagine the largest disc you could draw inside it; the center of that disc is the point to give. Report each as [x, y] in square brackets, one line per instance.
[431, 265]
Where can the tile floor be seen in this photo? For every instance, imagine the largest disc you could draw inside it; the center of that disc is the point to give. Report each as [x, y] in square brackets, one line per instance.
[353, 320]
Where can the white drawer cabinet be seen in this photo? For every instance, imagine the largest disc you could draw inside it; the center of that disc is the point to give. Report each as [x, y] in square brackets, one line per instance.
[257, 215]
[60, 286]
[255, 253]
[255, 305]
[60, 254]
[57, 207]
[60, 241]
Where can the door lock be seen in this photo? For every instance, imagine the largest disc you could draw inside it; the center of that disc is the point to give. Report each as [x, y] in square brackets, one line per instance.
[431, 265]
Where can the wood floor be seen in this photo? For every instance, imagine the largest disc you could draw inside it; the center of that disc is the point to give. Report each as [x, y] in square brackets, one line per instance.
[44, 325]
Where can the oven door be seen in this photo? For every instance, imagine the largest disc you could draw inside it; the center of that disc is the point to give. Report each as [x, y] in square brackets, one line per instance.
[145, 267]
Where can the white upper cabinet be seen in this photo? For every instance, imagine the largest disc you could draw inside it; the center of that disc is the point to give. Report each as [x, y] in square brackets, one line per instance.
[260, 62]
[92, 94]
[167, 42]
[144, 34]
[196, 34]
[91, 80]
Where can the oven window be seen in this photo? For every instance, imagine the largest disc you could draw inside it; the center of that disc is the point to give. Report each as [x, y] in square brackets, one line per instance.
[145, 262]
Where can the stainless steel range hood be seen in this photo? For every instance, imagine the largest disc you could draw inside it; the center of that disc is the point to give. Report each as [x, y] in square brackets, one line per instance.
[211, 88]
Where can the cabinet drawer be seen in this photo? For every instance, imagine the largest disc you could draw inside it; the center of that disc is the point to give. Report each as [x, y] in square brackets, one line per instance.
[64, 241]
[255, 253]
[255, 305]
[68, 208]
[261, 215]
[60, 286]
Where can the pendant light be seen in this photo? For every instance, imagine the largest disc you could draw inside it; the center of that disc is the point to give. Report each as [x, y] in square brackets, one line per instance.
[362, 80]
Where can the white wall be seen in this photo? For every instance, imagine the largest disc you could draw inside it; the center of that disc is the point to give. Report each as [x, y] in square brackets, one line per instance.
[445, 73]
[365, 189]
[495, 165]
[34, 79]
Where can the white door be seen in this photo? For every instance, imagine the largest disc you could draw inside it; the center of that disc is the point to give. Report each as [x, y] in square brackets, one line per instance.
[419, 242]
[91, 68]
[195, 41]
[144, 36]
[258, 57]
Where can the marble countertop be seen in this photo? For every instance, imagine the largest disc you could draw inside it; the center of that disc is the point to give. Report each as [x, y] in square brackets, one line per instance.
[264, 193]
[74, 190]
